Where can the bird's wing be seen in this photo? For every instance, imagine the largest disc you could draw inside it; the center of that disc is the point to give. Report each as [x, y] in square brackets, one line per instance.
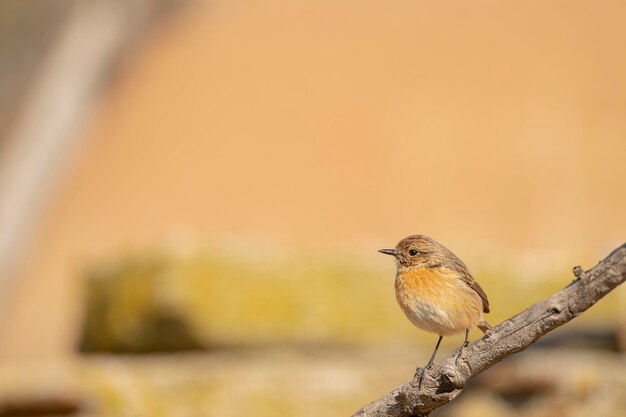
[456, 264]
[476, 287]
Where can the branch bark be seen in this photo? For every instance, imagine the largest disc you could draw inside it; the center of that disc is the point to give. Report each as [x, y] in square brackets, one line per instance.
[445, 381]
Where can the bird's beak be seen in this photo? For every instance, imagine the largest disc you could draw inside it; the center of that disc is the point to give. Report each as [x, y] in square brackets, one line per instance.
[392, 252]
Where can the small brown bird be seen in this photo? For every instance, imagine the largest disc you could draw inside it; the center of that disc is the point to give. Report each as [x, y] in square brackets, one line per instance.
[436, 291]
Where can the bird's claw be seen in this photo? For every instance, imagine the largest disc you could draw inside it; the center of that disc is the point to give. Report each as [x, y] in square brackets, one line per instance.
[458, 351]
[420, 371]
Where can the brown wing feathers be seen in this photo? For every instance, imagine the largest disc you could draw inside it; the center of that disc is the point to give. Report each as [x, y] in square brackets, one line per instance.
[456, 264]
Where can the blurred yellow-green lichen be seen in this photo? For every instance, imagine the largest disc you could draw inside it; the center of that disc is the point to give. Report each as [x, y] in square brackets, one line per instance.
[154, 301]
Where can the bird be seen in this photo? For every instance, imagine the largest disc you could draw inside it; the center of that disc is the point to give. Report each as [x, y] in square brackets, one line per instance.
[436, 291]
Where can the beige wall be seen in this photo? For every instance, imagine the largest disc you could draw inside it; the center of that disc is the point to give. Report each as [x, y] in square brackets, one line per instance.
[499, 129]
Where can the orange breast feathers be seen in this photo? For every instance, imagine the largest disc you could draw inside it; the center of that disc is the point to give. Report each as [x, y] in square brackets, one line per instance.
[438, 300]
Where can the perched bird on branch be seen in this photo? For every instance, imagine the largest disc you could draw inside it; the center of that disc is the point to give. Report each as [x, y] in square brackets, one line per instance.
[436, 291]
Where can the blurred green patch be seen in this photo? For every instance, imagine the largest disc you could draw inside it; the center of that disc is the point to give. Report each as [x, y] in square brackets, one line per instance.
[157, 301]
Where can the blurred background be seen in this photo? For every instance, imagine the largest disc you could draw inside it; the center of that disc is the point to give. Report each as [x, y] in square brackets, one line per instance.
[192, 194]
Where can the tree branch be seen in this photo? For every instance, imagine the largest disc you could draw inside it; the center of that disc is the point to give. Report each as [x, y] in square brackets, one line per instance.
[444, 382]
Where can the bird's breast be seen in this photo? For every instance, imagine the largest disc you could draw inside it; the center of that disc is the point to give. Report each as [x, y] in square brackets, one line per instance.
[437, 300]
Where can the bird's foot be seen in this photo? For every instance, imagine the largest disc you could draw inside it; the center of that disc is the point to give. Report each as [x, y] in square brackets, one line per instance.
[458, 351]
[419, 372]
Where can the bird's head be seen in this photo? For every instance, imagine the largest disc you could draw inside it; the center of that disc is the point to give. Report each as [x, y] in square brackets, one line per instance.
[417, 251]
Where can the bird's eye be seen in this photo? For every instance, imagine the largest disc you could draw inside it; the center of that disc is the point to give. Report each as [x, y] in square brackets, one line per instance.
[413, 252]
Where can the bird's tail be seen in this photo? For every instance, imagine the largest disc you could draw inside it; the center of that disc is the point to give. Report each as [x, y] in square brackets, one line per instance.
[483, 325]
